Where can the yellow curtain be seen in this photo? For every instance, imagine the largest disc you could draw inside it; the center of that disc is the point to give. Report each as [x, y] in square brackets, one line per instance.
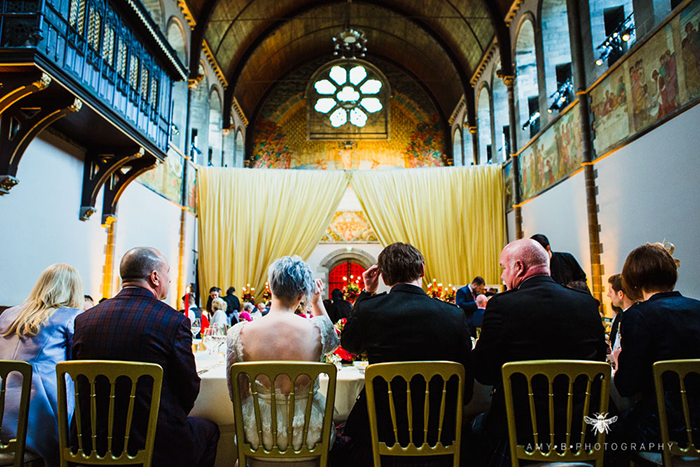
[453, 215]
[250, 217]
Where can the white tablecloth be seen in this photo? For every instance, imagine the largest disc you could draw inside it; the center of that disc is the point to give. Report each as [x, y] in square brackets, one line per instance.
[214, 403]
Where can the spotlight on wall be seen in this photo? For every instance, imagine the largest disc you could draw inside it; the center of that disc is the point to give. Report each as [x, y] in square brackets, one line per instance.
[624, 32]
[531, 121]
[174, 129]
[561, 96]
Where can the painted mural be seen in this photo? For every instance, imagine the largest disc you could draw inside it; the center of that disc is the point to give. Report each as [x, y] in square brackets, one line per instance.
[416, 135]
[657, 80]
[508, 183]
[349, 227]
[166, 180]
[554, 155]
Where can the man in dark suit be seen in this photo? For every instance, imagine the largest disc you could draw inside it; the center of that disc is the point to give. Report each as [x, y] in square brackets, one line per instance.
[233, 305]
[403, 325]
[136, 326]
[618, 299]
[563, 267]
[466, 296]
[536, 319]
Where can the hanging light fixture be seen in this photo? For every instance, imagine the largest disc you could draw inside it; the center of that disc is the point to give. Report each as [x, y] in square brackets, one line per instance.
[349, 43]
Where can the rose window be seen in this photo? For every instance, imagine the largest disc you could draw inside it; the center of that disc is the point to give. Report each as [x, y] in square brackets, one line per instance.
[348, 96]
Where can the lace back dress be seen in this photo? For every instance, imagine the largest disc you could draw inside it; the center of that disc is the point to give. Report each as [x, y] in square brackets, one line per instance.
[329, 342]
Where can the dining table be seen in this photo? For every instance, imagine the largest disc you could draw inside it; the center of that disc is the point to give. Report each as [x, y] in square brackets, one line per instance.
[214, 402]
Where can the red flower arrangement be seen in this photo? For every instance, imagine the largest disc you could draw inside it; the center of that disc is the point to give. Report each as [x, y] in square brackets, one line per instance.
[248, 294]
[267, 293]
[446, 294]
[435, 289]
[351, 291]
[341, 352]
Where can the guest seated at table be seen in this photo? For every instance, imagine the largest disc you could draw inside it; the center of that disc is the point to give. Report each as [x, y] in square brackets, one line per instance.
[663, 326]
[219, 307]
[403, 325]
[281, 335]
[40, 331]
[342, 307]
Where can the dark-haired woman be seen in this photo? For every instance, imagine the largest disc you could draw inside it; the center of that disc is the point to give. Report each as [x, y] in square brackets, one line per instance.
[664, 325]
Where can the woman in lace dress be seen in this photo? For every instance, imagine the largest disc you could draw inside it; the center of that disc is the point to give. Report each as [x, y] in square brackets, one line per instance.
[282, 335]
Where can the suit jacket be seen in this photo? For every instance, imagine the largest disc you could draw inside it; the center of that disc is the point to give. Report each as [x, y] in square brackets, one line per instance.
[466, 301]
[615, 327]
[539, 320]
[134, 326]
[565, 269]
[232, 304]
[404, 325]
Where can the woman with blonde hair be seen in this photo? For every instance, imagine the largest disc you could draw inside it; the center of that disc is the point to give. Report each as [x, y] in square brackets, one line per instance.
[40, 331]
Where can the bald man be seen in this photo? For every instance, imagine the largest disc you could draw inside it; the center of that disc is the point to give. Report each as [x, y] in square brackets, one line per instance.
[536, 319]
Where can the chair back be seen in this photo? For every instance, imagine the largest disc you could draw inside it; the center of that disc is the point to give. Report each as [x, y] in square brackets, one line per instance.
[108, 411]
[432, 430]
[251, 383]
[578, 385]
[16, 446]
[681, 368]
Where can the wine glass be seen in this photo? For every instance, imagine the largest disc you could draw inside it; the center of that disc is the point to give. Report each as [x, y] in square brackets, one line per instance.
[196, 327]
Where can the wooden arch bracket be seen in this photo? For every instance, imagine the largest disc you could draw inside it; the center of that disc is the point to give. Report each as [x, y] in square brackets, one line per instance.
[16, 87]
[119, 180]
[19, 125]
[99, 167]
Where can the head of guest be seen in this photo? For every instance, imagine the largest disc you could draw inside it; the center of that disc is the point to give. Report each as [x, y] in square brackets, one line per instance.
[521, 260]
[544, 241]
[58, 286]
[230, 291]
[481, 301]
[478, 285]
[291, 281]
[336, 295]
[401, 263]
[218, 304]
[260, 306]
[619, 298]
[88, 302]
[650, 269]
[146, 268]
[249, 307]
[214, 292]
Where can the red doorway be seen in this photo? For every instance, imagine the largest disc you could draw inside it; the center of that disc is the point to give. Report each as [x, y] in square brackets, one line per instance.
[342, 274]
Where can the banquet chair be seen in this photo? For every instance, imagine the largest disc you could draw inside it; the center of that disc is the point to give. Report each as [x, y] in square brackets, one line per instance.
[14, 452]
[579, 384]
[107, 411]
[253, 379]
[395, 390]
[675, 455]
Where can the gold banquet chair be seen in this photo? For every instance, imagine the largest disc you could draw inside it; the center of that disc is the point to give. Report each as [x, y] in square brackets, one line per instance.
[99, 387]
[14, 452]
[430, 429]
[595, 375]
[296, 382]
[673, 454]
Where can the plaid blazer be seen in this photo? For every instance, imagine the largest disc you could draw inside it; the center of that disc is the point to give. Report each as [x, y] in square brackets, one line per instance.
[135, 326]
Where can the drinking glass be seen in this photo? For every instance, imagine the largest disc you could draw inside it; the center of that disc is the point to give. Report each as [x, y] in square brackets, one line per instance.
[196, 327]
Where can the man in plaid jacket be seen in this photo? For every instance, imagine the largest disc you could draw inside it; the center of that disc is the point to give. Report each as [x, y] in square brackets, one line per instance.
[136, 326]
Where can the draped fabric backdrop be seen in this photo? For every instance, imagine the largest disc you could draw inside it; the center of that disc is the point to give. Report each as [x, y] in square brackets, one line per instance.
[248, 218]
[453, 215]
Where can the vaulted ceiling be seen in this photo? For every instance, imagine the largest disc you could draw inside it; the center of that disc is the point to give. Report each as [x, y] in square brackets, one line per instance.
[439, 42]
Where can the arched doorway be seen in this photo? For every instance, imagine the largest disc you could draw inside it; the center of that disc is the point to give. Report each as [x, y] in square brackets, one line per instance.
[344, 273]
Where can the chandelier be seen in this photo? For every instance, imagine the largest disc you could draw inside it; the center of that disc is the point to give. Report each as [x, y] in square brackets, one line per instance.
[350, 43]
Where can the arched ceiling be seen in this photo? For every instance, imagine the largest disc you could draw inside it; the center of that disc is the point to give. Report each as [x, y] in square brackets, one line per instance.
[439, 42]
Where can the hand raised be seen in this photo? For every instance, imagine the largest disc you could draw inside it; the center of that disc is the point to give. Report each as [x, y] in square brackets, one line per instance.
[371, 278]
[318, 291]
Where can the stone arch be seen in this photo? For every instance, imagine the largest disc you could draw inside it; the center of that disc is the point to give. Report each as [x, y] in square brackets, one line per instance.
[483, 119]
[556, 47]
[457, 147]
[468, 142]
[239, 149]
[527, 91]
[199, 116]
[215, 127]
[178, 40]
[177, 37]
[501, 122]
[343, 255]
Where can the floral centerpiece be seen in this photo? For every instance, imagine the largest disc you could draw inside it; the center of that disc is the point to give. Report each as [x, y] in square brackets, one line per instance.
[248, 294]
[449, 294]
[267, 293]
[341, 353]
[435, 289]
[351, 291]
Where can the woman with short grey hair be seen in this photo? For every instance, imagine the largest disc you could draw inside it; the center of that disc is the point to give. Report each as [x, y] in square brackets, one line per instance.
[282, 335]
